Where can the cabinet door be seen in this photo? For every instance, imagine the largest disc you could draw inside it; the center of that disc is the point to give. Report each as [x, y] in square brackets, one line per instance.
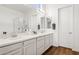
[40, 50]
[40, 45]
[30, 48]
[51, 39]
[16, 52]
[47, 42]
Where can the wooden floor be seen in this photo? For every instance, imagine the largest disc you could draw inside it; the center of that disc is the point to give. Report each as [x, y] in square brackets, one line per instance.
[60, 51]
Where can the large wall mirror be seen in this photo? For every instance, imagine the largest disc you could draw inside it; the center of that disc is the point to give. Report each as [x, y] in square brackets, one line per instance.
[43, 22]
[10, 21]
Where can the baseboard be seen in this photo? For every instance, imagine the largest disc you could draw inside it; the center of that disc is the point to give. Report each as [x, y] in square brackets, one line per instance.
[75, 50]
[55, 45]
[76, 53]
[65, 47]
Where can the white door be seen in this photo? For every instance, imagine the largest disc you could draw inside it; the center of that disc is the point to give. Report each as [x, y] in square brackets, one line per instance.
[66, 26]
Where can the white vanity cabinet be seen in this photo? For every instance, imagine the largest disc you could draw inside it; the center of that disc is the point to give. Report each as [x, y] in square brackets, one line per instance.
[30, 47]
[51, 39]
[16, 52]
[33, 46]
[14, 49]
[47, 42]
[40, 45]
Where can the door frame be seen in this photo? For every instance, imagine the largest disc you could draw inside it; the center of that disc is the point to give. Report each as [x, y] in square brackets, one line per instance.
[59, 24]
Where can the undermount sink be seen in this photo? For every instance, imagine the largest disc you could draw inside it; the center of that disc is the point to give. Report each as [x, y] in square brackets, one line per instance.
[20, 35]
[15, 36]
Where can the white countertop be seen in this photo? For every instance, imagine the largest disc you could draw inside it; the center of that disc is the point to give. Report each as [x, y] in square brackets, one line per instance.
[21, 38]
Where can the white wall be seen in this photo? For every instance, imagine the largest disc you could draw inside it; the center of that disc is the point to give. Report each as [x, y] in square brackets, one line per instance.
[6, 19]
[76, 28]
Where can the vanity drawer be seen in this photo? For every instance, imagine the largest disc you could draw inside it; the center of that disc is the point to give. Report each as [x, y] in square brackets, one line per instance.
[9, 48]
[40, 38]
[29, 42]
[16, 52]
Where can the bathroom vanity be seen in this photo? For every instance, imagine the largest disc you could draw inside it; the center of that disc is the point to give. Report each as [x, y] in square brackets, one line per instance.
[26, 44]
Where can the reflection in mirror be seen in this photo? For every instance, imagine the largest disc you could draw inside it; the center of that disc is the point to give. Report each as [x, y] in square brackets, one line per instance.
[18, 24]
[42, 22]
[33, 23]
[48, 23]
[8, 21]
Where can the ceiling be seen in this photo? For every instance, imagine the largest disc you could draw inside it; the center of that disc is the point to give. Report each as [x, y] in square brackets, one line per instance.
[28, 7]
[57, 5]
[19, 7]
